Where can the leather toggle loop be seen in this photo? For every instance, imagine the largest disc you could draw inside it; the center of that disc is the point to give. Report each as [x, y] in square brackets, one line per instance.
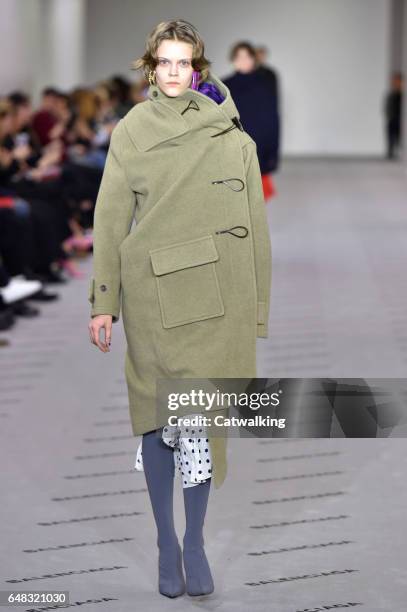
[226, 181]
[240, 227]
[232, 127]
[238, 123]
[192, 105]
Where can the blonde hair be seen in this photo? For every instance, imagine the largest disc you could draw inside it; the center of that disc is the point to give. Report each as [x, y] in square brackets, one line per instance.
[178, 29]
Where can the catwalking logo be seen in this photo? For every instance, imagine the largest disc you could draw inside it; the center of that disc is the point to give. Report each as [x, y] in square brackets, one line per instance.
[217, 399]
[200, 420]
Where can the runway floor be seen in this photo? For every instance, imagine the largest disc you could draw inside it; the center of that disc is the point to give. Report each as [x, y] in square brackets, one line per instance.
[299, 525]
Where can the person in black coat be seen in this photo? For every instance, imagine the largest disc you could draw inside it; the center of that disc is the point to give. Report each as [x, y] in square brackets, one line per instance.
[256, 97]
[393, 114]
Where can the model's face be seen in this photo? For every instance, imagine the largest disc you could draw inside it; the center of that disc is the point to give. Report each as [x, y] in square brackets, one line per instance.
[174, 68]
[243, 61]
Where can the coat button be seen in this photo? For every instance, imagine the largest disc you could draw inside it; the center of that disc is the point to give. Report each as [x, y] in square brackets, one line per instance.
[155, 94]
[103, 287]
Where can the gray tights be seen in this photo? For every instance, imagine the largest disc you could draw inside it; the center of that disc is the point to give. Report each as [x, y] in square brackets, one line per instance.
[159, 469]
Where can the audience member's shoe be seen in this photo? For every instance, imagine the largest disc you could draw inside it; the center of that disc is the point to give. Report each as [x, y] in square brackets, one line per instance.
[46, 276]
[19, 288]
[43, 296]
[22, 309]
[29, 274]
[54, 277]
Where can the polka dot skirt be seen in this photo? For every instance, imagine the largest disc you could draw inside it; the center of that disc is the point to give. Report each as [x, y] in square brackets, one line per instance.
[192, 453]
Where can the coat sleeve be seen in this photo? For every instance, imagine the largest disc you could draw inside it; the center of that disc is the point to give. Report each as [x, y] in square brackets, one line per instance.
[113, 217]
[260, 235]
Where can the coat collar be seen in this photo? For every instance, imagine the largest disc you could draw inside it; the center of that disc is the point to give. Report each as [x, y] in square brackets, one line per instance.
[162, 118]
[181, 101]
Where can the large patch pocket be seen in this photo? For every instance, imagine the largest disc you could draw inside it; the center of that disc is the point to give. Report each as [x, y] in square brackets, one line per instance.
[187, 281]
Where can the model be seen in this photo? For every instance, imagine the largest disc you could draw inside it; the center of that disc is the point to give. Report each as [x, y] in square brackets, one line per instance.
[192, 278]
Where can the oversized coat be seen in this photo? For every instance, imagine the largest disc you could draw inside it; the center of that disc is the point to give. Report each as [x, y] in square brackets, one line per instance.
[192, 277]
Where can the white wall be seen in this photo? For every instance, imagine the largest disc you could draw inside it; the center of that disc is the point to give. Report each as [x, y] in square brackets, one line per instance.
[65, 30]
[18, 49]
[42, 42]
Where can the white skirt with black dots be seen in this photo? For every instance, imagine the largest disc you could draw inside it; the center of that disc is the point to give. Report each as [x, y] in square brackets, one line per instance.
[192, 455]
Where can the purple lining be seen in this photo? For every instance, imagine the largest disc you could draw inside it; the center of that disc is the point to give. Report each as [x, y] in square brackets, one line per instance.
[210, 90]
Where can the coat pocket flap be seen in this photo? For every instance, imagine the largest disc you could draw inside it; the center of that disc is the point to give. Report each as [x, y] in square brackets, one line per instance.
[184, 255]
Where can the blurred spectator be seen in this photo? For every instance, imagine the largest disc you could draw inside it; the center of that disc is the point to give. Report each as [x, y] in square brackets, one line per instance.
[139, 90]
[26, 143]
[51, 164]
[93, 125]
[271, 75]
[393, 115]
[33, 240]
[256, 101]
[268, 72]
[122, 88]
[45, 118]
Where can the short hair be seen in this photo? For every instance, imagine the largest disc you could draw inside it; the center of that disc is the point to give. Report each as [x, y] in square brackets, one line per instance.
[122, 86]
[50, 91]
[243, 44]
[178, 29]
[18, 98]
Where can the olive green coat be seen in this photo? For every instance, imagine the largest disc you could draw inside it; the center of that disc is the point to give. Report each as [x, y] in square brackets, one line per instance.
[193, 295]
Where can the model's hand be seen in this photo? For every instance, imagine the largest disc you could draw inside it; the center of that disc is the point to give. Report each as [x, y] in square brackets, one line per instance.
[97, 323]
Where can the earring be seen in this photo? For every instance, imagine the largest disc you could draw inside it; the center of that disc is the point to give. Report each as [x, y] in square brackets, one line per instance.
[151, 77]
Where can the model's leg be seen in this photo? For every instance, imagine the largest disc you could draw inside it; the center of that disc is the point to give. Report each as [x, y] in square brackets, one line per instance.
[198, 574]
[158, 465]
